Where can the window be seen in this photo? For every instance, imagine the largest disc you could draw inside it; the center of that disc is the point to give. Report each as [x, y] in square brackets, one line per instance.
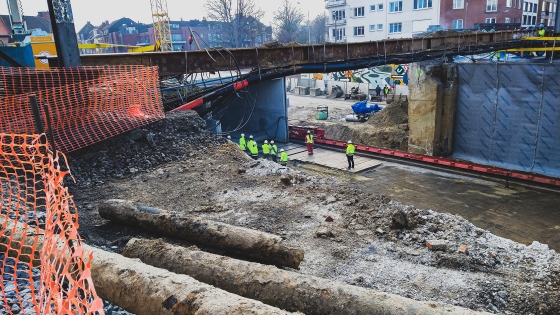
[508, 3]
[372, 28]
[372, 7]
[339, 33]
[491, 5]
[526, 9]
[380, 7]
[490, 20]
[176, 37]
[379, 27]
[524, 20]
[395, 27]
[358, 31]
[535, 8]
[395, 6]
[507, 20]
[534, 21]
[457, 24]
[423, 4]
[339, 15]
[458, 4]
[359, 11]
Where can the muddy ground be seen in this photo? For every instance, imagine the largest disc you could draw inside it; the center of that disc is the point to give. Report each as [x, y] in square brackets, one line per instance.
[374, 241]
[386, 129]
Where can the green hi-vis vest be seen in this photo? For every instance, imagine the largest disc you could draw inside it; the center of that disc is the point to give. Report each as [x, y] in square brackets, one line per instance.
[253, 147]
[266, 148]
[274, 149]
[309, 139]
[242, 143]
[350, 149]
[283, 157]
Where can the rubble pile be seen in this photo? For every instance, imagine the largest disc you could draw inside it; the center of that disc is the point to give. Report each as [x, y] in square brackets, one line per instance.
[142, 149]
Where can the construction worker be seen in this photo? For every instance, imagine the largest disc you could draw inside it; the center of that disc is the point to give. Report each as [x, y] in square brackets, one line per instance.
[386, 91]
[283, 157]
[253, 148]
[274, 151]
[541, 30]
[242, 142]
[350, 149]
[266, 149]
[309, 142]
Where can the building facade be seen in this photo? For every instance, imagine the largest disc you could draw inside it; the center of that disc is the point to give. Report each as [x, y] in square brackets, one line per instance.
[368, 20]
[547, 12]
[464, 14]
[530, 12]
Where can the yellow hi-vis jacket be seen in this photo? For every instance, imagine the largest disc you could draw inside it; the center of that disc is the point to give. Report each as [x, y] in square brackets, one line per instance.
[274, 150]
[242, 143]
[266, 148]
[253, 147]
[350, 149]
[283, 157]
[541, 33]
[309, 138]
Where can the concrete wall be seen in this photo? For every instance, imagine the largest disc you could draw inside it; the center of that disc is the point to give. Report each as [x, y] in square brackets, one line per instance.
[431, 108]
[268, 115]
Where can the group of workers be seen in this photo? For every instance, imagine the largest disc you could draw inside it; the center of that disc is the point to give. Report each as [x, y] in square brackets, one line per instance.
[268, 150]
[271, 149]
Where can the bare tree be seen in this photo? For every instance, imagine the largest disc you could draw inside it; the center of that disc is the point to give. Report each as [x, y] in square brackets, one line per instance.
[288, 21]
[319, 29]
[236, 16]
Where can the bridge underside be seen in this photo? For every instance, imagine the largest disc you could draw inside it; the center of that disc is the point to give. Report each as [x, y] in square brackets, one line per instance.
[262, 59]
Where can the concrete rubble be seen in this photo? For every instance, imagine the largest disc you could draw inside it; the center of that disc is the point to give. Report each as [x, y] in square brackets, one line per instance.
[372, 241]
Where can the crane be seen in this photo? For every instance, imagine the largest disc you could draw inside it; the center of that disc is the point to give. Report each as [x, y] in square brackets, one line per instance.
[19, 27]
[162, 30]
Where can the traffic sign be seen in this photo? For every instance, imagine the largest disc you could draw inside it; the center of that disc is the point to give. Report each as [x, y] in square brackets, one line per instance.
[400, 70]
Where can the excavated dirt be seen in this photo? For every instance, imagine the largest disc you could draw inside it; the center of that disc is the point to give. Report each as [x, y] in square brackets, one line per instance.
[371, 241]
[386, 129]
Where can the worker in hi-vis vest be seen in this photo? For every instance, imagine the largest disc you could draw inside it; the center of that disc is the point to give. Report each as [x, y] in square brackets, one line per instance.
[266, 149]
[283, 157]
[541, 30]
[242, 142]
[253, 148]
[274, 151]
[350, 149]
[309, 142]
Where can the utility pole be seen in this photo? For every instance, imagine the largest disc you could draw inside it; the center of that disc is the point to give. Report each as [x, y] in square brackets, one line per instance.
[309, 27]
[62, 22]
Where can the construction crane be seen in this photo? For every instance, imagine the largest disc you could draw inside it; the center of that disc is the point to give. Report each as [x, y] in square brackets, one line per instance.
[16, 18]
[162, 29]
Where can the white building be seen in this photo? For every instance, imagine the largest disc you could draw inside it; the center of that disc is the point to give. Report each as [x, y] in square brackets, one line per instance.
[368, 20]
[530, 8]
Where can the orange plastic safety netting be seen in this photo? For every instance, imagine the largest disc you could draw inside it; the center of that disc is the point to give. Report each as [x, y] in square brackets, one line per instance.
[83, 105]
[43, 266]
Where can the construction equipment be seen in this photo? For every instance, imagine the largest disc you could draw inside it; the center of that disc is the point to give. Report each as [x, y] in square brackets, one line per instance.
[363, 111]
[19, 27]
[162, 29]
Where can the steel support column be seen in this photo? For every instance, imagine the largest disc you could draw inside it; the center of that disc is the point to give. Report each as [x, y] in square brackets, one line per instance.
[66, 42]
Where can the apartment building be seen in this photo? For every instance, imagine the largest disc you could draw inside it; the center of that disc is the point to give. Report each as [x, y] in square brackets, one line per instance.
[369, 20]
[547, 12]
[530, 10]
[458, 14]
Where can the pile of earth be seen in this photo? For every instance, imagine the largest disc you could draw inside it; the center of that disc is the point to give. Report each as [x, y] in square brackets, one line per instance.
[386, 129]
[142, 149]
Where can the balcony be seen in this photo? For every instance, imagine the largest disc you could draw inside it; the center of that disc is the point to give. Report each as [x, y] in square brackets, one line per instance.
[334, 3]
[332, 22]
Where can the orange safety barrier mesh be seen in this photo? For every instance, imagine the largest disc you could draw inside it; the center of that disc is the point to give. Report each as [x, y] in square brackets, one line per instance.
[85, 104]
[43, 266]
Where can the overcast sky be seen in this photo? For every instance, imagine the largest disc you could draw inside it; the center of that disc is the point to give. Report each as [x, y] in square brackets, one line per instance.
[96, 11]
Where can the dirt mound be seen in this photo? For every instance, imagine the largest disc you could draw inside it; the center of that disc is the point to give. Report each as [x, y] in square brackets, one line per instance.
[142, 149]
[392, 115]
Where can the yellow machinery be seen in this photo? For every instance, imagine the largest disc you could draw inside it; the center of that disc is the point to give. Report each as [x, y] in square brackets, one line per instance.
[162, 30]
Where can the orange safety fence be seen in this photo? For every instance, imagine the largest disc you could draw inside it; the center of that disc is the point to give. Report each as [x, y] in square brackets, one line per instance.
[43, 265]
[83, 105]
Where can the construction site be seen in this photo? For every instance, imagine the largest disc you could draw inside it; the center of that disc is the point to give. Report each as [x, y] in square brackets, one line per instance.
[127, 186]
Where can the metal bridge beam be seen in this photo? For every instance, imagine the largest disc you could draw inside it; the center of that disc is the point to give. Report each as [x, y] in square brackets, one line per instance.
[175, 63]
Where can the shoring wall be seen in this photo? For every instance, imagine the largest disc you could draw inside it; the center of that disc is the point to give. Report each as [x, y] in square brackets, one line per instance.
[85, 104]
[508, 115]
[42, 263]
